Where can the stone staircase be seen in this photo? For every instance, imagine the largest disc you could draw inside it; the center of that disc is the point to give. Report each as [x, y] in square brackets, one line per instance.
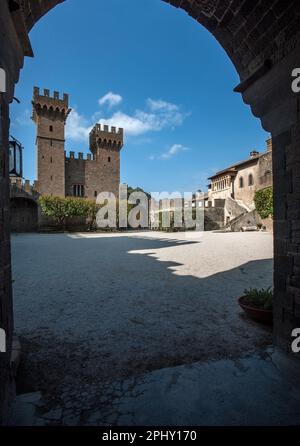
[245, 217]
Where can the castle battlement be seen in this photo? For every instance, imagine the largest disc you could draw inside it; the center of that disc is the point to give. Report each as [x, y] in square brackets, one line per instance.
[104, 137]
[78, 156]
[103, 128]
[53, 106]
[47, 98]
[65, 174]
[19, 185]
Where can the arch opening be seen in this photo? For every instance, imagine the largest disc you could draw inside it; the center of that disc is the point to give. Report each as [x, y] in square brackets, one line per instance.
[262, 69]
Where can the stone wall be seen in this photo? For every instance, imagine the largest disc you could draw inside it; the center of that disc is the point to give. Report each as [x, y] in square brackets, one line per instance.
[12, 50]
[101, 174]
[265, 171]
[246, 193]
[250, 219]
[214, 218]
[23, 215]
[49, 114]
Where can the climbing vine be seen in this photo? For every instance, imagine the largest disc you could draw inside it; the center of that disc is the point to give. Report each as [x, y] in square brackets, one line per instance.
[264, 202]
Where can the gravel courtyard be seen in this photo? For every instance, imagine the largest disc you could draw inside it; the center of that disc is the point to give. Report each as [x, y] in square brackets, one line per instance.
[91, 310]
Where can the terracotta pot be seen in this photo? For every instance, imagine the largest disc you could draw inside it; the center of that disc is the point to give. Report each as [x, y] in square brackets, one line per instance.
[256, 313]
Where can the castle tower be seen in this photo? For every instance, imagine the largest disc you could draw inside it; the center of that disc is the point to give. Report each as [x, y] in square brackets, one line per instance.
[50, 115]
[105, 145]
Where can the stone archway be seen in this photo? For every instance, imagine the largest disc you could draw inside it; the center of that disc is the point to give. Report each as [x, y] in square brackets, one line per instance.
[263, 41]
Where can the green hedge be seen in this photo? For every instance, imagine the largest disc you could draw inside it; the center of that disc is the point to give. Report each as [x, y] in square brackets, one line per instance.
[264, 202]
[63, 209]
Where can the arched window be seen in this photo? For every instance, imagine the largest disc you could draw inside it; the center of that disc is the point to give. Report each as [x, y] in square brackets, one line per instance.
[241, 182]
[250, 180]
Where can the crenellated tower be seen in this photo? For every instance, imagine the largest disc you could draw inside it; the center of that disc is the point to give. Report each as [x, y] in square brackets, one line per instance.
[104, 139]
[50, 114]
[105, 145]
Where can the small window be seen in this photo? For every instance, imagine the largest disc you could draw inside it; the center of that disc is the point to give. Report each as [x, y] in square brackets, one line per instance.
[51, 177]
[241, 183]
[51, 128]
[95, 194]
[51, 143]
[250, 180]
[51, 160]
[109, 159]
[78, 190]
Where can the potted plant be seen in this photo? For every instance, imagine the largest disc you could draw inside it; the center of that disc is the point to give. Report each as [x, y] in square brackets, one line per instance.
[258, 304]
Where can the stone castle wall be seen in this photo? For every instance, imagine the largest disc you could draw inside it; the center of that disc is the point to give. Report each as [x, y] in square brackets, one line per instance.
[99, 174]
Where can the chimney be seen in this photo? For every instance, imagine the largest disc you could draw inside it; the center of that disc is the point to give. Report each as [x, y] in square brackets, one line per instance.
[269, 145]
[254, 154]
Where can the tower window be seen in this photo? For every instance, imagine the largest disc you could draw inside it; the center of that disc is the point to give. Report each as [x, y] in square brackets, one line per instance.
[78, 190]
[51, 143]
[51, 177]
[109, 159]
[95, 194]
[51, 128]
[51, 160]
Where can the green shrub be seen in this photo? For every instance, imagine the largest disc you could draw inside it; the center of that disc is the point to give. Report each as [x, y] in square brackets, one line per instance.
[62, 208]
[259, 298]
[264, 202]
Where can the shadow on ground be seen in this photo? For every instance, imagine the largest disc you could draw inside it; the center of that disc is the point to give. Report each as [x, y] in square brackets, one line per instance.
[94, 311]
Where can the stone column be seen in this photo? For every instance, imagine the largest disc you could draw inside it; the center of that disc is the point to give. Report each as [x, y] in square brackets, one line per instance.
[6, 312]
[13, 45]
[273, 101]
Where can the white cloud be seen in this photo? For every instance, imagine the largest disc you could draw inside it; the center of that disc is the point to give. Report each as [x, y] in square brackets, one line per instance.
[156, 116]
[173, 151]
[159, 105]
[132, 125]
[77, 127]
[111, 99]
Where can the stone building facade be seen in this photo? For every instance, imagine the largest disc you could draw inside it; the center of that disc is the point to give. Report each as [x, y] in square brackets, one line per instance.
[242, 180]
[61, 175]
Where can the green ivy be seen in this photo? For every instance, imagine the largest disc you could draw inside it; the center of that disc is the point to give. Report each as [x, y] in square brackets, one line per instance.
[264, 202]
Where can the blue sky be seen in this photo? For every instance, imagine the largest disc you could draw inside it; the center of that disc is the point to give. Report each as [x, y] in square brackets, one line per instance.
[151, 68]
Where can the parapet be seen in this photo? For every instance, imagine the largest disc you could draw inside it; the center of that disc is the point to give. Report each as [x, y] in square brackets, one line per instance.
[78, 156]
[17, 186]
[103, 128]
[37, 96]
[103, 136]
[44, 103]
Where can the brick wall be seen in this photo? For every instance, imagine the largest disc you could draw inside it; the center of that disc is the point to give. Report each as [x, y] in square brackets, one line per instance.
[101, 174]
[12, 50]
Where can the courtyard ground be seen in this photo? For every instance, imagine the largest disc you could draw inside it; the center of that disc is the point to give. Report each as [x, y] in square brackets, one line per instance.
[99, 316]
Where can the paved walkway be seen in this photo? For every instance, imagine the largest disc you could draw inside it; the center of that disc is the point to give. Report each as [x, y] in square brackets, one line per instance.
[98, 312]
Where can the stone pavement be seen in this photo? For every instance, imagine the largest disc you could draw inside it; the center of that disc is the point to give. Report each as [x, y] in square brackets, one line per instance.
[257, 390]
[96, 313]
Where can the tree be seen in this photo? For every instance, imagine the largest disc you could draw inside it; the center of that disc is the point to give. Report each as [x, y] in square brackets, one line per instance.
[60, 209]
